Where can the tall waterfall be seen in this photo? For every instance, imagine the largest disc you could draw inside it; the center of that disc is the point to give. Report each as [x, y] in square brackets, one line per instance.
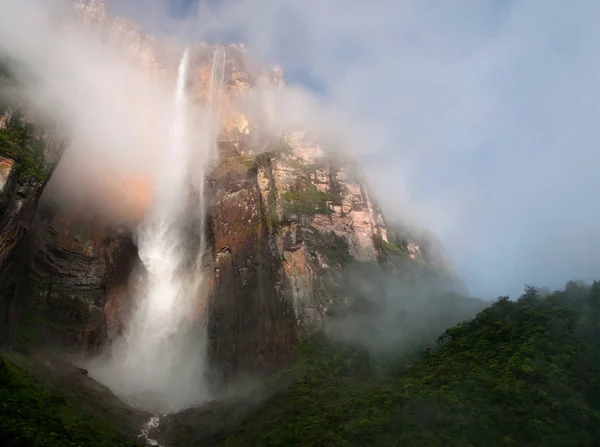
[210, 131]
[215, 92]
[159, 362]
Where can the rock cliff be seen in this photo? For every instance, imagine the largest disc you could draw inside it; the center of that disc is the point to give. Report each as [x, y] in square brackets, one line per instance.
[286, 220]
[27, 158]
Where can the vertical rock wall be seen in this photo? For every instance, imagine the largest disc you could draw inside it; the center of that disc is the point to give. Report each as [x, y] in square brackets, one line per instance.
[285, 225]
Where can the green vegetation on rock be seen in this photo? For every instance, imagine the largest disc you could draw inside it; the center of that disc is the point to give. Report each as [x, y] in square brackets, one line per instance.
[388, 248]
[307, 202]
[271, 215]
[275, 148]
[18, 142]
[335, 248]
[237, 166]
[522, 373]
[34, 414]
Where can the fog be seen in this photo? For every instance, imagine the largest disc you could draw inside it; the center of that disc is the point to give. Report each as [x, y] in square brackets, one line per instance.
[399, 311]
[102, 101]
[474, 120]
[480, 116]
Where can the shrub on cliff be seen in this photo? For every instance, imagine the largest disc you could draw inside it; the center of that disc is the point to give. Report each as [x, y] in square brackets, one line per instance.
[18, 142]
[307, 202]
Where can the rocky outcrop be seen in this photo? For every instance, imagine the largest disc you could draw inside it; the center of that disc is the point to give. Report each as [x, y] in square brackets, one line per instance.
[5, 118]
[78, 270]
[67, 284]
[17, 207]
[19, 195]
[26, 160]
[58, 267]
[286, 225]
[246, 281]
[120, 32]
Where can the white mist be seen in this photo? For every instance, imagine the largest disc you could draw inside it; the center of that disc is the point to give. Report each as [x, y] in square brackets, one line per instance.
[158, 363]
[208, 140]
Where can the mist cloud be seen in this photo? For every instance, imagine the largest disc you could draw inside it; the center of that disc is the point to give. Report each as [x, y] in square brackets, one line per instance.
[477, 119]
[484, 113]
[111, 111]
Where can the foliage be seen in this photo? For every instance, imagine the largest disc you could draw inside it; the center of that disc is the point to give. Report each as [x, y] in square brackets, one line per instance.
[276, 149]
[307, 202]
[237, 166]
[523, 373]
[18, 142]
[32, 414]
[386, 247]
[333, 248]
[245, 160]
[272, 217]
[337, 254]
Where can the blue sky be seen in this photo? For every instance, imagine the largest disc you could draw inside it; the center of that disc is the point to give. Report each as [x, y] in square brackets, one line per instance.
[479, 119]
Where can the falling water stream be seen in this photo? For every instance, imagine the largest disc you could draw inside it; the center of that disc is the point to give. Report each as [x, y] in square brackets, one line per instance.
[159, 362]
[211, 126]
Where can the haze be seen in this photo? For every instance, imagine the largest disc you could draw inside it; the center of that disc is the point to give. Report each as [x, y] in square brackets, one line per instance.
[481, 116]
[476, 119]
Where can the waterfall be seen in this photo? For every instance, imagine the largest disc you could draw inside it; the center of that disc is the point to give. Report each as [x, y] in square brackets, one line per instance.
[160, 238]
[152, 424]
[158, 363]
[215, 95]
[211, 128]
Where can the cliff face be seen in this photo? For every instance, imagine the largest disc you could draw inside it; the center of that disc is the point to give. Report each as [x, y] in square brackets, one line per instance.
[17, 202]
[27, 157]
[26, 160]
[286, 226]
[78, 273]
[286, 221]
[58, 266]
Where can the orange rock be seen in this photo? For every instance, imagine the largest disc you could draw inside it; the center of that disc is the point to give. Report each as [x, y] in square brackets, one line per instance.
[6, 168]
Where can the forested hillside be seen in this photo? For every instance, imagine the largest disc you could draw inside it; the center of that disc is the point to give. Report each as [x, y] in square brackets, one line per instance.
[523, 372]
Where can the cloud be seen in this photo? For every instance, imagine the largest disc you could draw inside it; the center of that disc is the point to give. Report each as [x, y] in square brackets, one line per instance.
[484, 113]
[111, 111]
[478, 119]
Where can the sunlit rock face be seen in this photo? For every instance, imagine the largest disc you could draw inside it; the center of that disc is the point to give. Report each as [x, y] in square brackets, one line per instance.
[241, 77]
[7, 166]
[5, 118]
[285, 225]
